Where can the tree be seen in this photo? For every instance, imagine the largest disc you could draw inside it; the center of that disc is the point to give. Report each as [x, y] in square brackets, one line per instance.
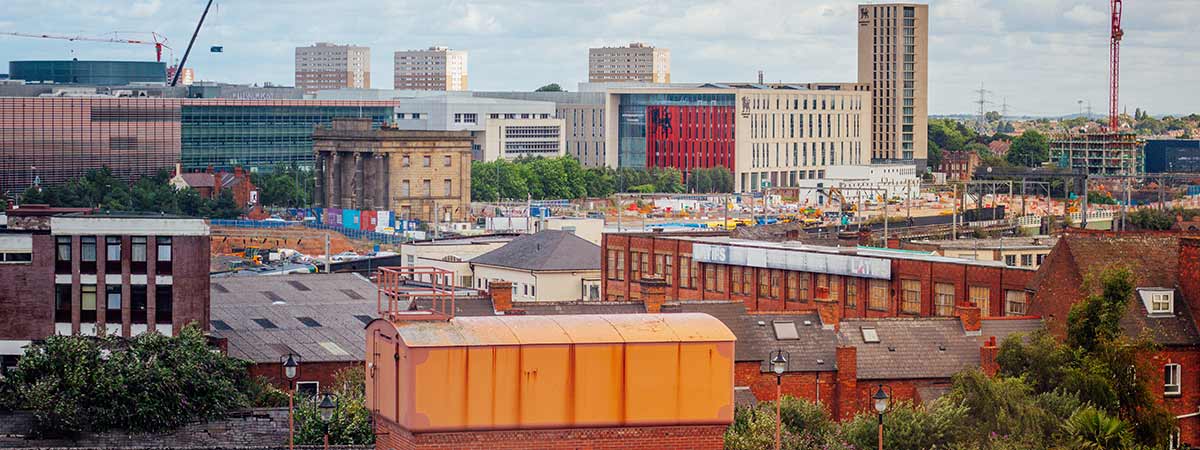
[99, 188]
[350, 423]
[992, 116]
[1152, 219]
[147, 383]
[552, 87]
[1092, 429]
[1031, 149]
[909, 426]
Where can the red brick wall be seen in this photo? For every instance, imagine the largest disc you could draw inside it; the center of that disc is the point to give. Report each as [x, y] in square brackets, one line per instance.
[1189, 360]
[27, 294]
[796, 384]
[1060, 288]
[190, 281]
[684, 437]
[321, 372]
[1189, 271]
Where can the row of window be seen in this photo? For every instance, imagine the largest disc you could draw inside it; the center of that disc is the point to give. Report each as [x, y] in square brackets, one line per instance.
[824, 102]
[88, 248]
[427, 161]
[825, 125]
[427, 188]
[760, 155]
[1026, 259]
[90, 303]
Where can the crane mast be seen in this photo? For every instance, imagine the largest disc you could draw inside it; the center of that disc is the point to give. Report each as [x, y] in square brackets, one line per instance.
[1114, 74]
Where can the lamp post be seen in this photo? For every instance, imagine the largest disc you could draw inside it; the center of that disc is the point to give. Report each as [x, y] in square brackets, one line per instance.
[291, 369]
[883, 399]
[779, 365]
[326, 407]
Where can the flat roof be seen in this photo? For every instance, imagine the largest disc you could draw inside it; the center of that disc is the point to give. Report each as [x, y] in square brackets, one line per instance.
[798, 246]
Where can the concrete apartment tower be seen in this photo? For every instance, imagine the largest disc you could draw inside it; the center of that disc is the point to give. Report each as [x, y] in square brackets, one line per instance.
[332, 66]
[893, 58]
[636, 62]
[433, 69]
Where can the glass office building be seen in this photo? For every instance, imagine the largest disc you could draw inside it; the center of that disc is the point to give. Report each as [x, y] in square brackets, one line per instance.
[97, 73]
[261, 135]
[631, 120]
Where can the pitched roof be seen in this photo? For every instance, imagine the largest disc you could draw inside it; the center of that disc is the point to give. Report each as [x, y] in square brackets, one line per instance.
[545, 250]
[198, 179]
[263, 318]
[813, 349]
[1154, 260]
[910, 348]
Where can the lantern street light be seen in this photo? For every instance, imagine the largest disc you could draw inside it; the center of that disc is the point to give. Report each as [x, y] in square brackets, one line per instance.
[326, 408]
[883, 400]
[779, 365]
[291, 369]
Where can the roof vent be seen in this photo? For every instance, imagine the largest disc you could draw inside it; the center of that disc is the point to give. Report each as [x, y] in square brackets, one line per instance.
[820, 362]
[807, 323]
[891, 349]
[762, 323]
[941, 347]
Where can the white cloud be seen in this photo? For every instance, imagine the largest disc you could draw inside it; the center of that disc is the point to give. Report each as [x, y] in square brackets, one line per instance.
[1086, 15]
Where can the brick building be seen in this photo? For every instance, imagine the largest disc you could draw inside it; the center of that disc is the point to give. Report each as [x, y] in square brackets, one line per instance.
[424, 175]
[261, 319]
[72, 271]
[1167, 270]
[779, 276]
[960, 165]
[210, 184]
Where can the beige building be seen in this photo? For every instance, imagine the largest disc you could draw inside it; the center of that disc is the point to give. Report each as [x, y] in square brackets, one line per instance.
[413, 173]
[515, 138]
[893, 58]
[1028, 252]
[332, 66]
[635, 62]
[453, 254]
[547, 266]
[432, 69]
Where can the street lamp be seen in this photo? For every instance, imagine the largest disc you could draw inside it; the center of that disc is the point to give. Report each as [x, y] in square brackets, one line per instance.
[291, 369]
[883, 399]
[326, 407]
[779, 365]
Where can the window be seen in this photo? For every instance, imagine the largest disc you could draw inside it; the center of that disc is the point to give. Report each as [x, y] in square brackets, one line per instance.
[747, 280]
[112, 246]
[428, 187]
[685, 272]
[1010, 260]
[785, 330]
[87, 249]
[736, 283]
[693, 273]
[62, 303]
[405, 188]
[87, 303]
[16, 257]
[63, 246]
[163, 255]
[805, 283]
[447, 187]
[943, 299]
[776, 284]
[138, 248]
[851, 293]
[835, 287]
[426, 161]
[404, 162]
[137, 303]
[870, 335]
[910, 296]
[793, 286]
[635, 269]
[1027, 260]
[764, 282]
[1171, 379]
[611, 264]
[447, 161]
[1014, 303]
[112, 304]
[308, 388]
[981, 296]
[162, 304]
[1162, 302]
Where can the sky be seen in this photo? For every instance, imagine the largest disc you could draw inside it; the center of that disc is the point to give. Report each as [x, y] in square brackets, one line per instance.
[1039, 56]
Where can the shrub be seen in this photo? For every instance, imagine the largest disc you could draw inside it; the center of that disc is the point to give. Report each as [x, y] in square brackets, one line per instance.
[351, 420]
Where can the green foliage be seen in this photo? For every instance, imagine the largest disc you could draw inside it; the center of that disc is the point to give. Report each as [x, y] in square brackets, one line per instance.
[908, 426]
[285, 187]
[99, 188]
[715, 179]
[1096, 320]
[1092, 429]
[1030, 149]
[563, 178]
[351, 420]
[806, 425]
[262, 394]
[1152, 219]
[148, 383]
[1100, 198]
[552, 87]
[1008, 407]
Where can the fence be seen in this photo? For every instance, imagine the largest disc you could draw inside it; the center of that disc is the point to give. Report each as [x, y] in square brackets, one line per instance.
[379, 238]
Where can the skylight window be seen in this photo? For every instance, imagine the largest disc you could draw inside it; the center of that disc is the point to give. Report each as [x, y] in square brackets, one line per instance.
[333, 349]
[299, 286]
[366, 320]
[309, 322]
[220, 325]
[786, 330]
[869, 335]
[350, 293]
[266, 324]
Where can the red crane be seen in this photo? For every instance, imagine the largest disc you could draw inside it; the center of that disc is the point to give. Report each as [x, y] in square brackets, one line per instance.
[159, 42]
[1114, 69]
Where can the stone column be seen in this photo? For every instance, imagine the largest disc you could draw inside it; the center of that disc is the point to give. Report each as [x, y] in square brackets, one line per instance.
[319, 179]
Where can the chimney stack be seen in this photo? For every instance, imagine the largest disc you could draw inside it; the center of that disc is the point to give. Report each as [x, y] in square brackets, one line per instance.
[987, 357]
[971, 318]
[828, 309]
[847, 383]
[501, 292]
[654, 293]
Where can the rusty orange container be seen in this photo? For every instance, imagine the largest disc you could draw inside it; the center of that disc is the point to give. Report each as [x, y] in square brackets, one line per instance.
[526, 372]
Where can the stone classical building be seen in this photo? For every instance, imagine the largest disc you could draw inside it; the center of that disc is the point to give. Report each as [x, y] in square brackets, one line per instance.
[413, 173]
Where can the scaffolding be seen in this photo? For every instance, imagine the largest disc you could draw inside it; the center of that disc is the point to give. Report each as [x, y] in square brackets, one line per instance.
[1099, 153]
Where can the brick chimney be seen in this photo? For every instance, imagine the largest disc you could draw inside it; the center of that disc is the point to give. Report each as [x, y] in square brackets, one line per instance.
[847, 383]
[987, 357]
[654, 293]
[1189, 271]
[971, 319]
[501, 292]
[830, 312]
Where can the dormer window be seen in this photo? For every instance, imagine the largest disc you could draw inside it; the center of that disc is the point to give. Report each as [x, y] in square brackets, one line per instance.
[1162, 302]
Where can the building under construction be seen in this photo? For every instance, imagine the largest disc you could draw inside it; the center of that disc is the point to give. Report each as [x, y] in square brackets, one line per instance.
[1099, 153]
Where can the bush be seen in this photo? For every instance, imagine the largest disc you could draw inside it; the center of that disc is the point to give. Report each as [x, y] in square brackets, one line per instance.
[908, 426]
[351, 420]
[148, 383]
[805, 425]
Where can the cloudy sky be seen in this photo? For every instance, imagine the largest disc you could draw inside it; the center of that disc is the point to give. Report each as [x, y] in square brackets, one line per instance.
[1041, 56]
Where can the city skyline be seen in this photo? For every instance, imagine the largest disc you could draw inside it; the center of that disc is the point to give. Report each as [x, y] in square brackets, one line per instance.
[512, 49]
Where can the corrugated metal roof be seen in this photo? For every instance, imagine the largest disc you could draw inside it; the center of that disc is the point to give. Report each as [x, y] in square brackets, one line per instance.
[566, 329]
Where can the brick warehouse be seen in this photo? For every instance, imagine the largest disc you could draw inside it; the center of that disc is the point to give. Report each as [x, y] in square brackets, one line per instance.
[790, 276]
[1166, 266]
[70, 271]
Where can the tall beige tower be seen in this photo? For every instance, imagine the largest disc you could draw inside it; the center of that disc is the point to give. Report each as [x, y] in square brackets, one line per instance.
[636, 62]
[332, 66]
[893, 58]
[433, 69]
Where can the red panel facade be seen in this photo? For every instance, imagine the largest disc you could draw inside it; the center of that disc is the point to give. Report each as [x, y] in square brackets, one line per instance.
[689, 137]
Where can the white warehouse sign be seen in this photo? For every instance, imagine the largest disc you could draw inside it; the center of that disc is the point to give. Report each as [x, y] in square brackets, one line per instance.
[786, 259]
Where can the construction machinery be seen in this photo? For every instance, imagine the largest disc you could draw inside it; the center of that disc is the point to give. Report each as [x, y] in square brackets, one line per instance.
[157, 40]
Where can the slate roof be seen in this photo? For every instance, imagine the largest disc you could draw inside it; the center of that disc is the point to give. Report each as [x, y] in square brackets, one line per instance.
[331, 300]
[813, 351]
[544, 251]
[1154, 260]
[911, 348]
[198, 180]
